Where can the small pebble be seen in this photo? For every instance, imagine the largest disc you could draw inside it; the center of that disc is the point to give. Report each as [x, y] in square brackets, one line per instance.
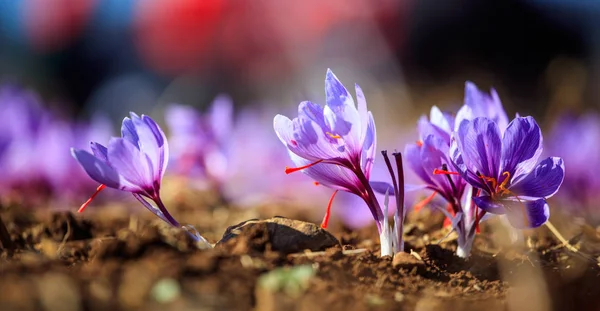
[166, 290]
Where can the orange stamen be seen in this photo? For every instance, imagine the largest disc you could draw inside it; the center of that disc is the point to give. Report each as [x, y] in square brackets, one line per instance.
[419, 143]
[490, 179]
[325, 221]
[289, 170]
[333, 136]
[502, 186]
[84, 205]
[421, 204]
[443, 172]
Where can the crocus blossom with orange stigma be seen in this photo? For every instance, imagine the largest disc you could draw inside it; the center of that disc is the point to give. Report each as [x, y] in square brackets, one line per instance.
[135, 163]
[430, 159]
[335, 145]
[506, 170]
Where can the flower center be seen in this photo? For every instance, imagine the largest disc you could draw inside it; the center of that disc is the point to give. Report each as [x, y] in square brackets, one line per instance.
[498, 190]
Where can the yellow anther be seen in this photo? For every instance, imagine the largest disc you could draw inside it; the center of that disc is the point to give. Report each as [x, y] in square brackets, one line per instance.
[333, 136]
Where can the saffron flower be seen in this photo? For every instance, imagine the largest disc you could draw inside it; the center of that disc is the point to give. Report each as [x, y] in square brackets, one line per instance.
[429, 158]
[200, 143]
[504, 168]
[136, 163]
[335, 145]
[575, 139]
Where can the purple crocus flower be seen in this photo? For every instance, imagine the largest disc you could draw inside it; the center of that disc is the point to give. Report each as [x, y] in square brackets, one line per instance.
[576, 140]
[486, 105]
[63, 175]
[200, 143]
[135, 162]
[504, 168]
[335, 145]
[22, 115]
[429, 159]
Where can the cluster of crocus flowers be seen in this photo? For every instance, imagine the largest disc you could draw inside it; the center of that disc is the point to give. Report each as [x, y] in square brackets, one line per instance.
[477, 161]
[430, 159]
[221, 153]
[135, 163]
[335, 145]
[29, 130]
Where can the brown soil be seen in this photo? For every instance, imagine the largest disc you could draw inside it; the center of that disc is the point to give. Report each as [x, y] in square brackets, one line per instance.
[107, 260]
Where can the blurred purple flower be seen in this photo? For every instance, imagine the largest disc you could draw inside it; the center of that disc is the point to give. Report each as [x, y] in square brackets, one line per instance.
[135, 162]
[576, 141]
[254, 151]
[504, 168]
[200, 143]
[22, 115]
[62, 174]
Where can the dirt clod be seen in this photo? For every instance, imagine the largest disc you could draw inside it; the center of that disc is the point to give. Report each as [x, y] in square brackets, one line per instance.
[278, 234]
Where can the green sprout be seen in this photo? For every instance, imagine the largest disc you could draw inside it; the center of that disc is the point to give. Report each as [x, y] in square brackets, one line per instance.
[292, 281]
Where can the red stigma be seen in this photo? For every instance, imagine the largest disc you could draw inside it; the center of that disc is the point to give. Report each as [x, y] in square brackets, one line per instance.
[325, 221]
[421, 204]
[289, 170]
[419, 143]
[443, 172]
[477, 219]
[84, 205]
[448, 221]
[316, 183]
[293, 143]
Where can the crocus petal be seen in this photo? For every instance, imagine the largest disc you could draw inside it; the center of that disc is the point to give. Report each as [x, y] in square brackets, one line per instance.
[521, 147]
[97, 168]
[543, 181]
[305, 138]
[440, 119]
[480, 145]
[382, 187]
[163, 147]
[313, 112]
[427, 128]
[148, 143]
[128, 131]
[341, 114]
[529, 214]
[369, 147]
[433, 151]
[362, 111]
[464, 113]
[131, 164]
[487, 204]
[99, 151]
[486, 105]
[412, 155]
